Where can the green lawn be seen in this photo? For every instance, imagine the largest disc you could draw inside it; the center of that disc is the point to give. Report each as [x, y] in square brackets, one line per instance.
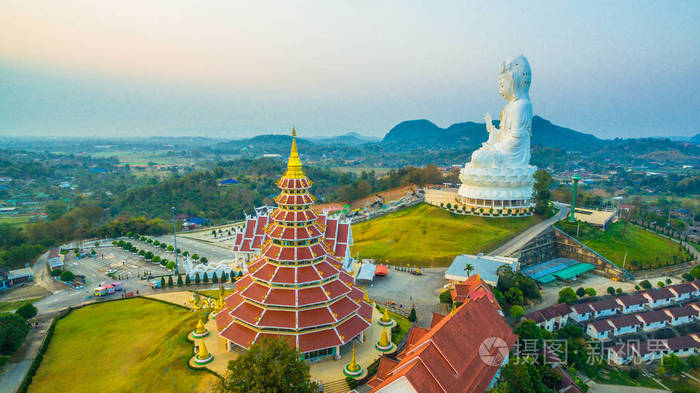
[648, 249]
[619, 377]
[9, 306]
[133, 345]
[401, 321]
[426, 235]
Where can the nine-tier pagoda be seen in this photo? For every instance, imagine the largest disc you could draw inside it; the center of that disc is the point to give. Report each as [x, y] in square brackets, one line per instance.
[296, 288]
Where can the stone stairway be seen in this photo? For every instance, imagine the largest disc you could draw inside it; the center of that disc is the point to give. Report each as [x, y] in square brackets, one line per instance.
[339, 386]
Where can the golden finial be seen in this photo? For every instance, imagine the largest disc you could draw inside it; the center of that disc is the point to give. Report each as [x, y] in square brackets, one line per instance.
[294, 164]
[454, 309]
[385, 317]
[200, 327]
[203, 353]
[383, 340]
[353, 364]
[366, 297]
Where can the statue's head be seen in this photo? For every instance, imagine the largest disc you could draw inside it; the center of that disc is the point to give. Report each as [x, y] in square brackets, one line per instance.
[515, 77]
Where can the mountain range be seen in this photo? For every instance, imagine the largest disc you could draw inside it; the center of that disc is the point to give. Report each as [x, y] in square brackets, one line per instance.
[423, 133]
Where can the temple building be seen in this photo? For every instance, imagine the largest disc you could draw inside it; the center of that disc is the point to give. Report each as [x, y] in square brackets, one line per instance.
[337, 234]
[296, 288]
[461, 352]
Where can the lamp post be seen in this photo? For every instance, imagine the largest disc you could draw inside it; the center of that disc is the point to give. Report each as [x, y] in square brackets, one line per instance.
[175, 241]
[575, 178]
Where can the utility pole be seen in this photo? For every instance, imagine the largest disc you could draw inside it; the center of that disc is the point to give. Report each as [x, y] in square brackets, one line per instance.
[175, 242]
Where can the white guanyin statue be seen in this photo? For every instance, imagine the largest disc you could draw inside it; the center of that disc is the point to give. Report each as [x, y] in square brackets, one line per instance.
[509, 145]
[499, 174]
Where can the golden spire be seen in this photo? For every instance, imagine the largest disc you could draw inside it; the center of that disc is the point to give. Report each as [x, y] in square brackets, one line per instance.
[353, 366]
[366, 297]
[203, 353]
[200, 327]
[383, 340]
[294, 164]
[454, 309]
[385, 317]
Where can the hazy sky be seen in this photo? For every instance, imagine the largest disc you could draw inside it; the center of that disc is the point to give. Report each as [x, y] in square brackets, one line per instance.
[238, 68]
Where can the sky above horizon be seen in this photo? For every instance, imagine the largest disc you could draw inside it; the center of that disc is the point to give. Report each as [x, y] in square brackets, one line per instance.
[237, 69]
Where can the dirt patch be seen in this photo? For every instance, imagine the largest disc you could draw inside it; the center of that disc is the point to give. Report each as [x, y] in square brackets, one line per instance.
[29, 291]
[389, 195]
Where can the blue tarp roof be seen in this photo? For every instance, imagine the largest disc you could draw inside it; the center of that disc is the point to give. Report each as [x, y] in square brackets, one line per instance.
[197, 220]
[366, 272]
[229, 181]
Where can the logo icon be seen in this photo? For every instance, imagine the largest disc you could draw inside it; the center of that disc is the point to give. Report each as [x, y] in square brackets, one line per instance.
[493, 351]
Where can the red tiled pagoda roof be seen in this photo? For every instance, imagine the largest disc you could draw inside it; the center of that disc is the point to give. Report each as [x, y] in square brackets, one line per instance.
[295, 288]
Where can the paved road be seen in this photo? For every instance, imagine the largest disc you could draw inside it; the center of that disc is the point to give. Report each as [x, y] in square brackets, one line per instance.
[517, 242]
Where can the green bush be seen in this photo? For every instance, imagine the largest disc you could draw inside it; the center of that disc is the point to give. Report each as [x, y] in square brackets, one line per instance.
[67, 276]
[27, 311]
[56, 272]
[170, 265]
[412, 316]
[517, 311]
[446, 297]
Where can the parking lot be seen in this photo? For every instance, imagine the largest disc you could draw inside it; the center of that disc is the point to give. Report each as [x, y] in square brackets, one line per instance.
[120, 264]
[407, 289]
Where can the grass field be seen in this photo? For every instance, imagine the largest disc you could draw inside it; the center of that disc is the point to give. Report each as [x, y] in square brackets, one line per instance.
[648, 249]
[14, 220]
[401, 321]
[425, 235]
[134, 345]
[9, 306]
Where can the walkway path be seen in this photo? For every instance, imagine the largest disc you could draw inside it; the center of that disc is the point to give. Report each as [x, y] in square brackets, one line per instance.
[517, 242]
[602, 388]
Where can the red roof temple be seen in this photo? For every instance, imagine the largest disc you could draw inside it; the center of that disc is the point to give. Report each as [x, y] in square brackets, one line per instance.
[295, 287]
[460, 352]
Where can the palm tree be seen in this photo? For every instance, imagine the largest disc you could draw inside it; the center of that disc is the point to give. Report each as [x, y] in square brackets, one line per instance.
[469, 268]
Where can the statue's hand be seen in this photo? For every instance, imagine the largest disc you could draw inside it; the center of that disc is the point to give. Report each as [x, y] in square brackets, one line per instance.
[489, 123]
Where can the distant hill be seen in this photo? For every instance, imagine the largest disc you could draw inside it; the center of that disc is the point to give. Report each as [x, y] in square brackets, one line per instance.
[351, 138]
[695, 139]
[424, 133]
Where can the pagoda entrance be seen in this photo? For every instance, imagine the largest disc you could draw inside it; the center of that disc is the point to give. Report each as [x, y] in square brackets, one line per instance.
[317, 356]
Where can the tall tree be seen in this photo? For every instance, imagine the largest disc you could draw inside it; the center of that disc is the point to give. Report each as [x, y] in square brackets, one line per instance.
[543, 180]
[271, 365]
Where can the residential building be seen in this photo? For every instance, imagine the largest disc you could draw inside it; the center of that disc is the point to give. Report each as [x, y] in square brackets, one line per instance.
[682, 315]
[605, 307]
[684, 291]
[550, 318]
[652, 320]
[601, 330]
[581, 312]
[660, 297]
[633, 303]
